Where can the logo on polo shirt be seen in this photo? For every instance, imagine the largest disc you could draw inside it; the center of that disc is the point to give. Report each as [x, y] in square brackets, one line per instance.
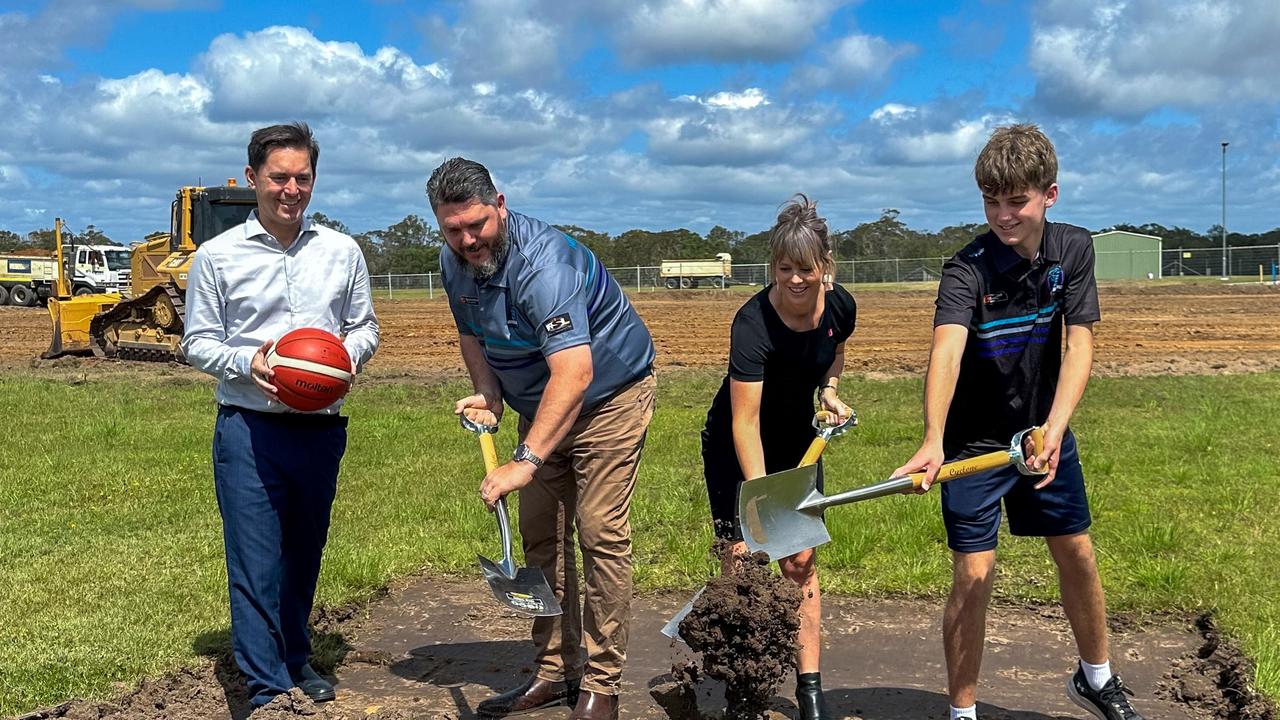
[468, 300]
[1054, 280]
[557, 325]
[994, 298]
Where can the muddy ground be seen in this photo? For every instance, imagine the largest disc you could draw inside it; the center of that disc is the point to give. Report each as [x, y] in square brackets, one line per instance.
[435, 647]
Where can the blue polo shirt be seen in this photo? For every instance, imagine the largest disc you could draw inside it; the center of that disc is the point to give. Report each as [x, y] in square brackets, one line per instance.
[551, 293]
[1015, 310]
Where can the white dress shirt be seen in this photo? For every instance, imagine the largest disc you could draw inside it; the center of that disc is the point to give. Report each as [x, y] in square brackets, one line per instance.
[244, 289]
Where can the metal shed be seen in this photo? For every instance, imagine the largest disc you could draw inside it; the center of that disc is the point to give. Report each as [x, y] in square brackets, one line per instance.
[1123, 255]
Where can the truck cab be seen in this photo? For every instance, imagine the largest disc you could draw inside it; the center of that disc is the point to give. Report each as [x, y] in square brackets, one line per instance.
[100, 269]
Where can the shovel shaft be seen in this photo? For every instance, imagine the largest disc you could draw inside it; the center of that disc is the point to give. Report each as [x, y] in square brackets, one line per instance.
[970, 466]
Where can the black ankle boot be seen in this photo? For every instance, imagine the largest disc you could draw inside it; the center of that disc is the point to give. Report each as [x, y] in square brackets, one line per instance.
[809, 697]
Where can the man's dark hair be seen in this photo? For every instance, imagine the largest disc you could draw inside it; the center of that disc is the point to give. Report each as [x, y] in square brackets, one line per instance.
[295, 135]
[459, 180]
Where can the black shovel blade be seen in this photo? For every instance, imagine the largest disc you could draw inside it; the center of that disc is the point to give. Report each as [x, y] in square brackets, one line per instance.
[527, 593]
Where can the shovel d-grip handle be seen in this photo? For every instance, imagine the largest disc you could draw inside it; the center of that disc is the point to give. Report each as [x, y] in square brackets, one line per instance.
[490, 453]
[1015, 455]
[824, 422]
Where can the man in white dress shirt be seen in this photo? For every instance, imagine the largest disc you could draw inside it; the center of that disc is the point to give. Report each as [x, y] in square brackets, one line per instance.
[275, 470]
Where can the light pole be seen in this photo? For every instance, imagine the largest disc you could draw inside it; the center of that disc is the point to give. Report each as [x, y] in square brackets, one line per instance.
[1225, 275]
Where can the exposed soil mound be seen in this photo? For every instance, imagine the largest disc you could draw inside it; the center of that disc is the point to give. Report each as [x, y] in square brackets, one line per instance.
[1218, 683]
[744, 626]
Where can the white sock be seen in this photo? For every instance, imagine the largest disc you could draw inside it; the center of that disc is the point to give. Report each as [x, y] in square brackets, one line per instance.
[1097, 675]
[968, 713]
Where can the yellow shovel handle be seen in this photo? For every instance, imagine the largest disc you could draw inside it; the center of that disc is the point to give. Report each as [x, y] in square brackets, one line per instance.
[980, 463]
[961, 468]
[814, 452]
[489, 451]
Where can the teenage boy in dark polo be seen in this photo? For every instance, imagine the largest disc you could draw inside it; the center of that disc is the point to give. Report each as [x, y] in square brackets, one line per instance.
[997, 366]
[543, 326]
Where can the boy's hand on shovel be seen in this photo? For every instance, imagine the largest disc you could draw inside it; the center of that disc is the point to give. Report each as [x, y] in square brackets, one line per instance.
[928, 459]
[1048, 455]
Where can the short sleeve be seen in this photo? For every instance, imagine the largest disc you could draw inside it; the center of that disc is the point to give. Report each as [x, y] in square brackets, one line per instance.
[748, 344]
[957, 294]
[845, 312]
[553, 298]
[1080, 298]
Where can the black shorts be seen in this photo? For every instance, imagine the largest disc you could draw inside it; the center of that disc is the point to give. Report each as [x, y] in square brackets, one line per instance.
[723, 476]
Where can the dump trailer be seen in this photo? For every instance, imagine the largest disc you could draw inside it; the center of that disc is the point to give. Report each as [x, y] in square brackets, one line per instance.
[148, 324]
[25, 279]
[691, 273]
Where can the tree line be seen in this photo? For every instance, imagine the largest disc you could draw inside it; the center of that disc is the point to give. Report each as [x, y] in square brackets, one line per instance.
[413, 245]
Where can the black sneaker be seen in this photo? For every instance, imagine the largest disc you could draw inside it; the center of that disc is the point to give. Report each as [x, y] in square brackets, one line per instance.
[1109, 703]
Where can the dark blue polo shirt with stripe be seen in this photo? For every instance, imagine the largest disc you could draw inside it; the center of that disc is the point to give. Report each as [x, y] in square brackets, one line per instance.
[1015, 310]
[551, 293]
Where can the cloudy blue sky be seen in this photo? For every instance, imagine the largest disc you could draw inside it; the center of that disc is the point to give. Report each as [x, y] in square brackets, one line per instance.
[614, 114]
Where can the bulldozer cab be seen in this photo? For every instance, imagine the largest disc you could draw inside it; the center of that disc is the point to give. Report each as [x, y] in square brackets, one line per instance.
[198, 214]
[149, 322]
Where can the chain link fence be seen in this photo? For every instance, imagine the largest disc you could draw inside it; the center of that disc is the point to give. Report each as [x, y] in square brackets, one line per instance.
[1257, 263]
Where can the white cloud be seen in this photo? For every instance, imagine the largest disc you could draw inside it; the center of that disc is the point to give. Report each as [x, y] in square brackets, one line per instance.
[263, 74]
[670, 32]
[891, 112]
[745, 100]
[853, 61]
[1129, 58]
[515, 41]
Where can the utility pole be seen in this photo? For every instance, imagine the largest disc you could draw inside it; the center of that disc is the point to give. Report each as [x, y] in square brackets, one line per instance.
[1225, 274]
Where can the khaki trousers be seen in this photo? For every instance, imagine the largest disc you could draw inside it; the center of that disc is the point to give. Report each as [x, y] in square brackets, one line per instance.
[587, 481]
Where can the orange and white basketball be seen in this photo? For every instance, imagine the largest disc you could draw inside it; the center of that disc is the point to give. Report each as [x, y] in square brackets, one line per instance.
[312, 369]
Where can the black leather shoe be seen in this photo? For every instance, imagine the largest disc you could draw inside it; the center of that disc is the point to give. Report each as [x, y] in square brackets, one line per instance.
[312, 685]
[809, 697]
[533, 695]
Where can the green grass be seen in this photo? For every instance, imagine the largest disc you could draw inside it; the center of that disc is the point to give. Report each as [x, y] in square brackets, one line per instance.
[111, 552]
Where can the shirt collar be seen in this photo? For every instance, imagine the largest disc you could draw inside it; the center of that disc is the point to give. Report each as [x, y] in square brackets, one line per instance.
[1008, 260]
[253, 228]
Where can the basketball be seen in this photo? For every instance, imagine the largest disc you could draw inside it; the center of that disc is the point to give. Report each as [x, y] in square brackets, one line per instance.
[312, 369]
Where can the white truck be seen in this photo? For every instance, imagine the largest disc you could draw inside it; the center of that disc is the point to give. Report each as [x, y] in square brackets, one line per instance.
[690, 273]
[26, 280]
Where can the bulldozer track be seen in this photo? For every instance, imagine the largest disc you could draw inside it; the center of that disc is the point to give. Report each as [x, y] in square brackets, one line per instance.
[133, 310]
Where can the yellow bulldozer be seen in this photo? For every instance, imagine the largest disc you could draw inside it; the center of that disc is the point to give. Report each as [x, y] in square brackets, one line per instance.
[147, 321]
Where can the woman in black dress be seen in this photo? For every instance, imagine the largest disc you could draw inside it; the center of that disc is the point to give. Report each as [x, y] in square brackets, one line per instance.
[787, 344]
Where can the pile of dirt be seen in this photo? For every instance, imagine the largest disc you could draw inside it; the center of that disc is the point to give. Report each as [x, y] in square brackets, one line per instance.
[1218, 682]
[744, 625]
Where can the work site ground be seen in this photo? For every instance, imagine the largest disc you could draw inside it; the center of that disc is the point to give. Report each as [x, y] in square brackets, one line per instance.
[434, 648]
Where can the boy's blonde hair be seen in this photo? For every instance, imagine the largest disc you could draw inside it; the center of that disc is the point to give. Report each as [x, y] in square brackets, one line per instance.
[1016, 158]
[801, 236]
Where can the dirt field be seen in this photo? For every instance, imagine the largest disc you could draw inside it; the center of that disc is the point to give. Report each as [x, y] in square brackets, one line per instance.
[1153, 329]
[433, 648]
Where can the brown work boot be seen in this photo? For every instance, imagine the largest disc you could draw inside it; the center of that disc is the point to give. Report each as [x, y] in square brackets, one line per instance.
[533, 695]
[595, 706]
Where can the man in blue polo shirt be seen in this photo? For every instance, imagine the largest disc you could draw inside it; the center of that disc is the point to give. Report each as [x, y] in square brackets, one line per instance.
[543, 326]
[998, 366]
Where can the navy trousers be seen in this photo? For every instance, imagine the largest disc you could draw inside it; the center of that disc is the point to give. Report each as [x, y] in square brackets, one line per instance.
[275, 477]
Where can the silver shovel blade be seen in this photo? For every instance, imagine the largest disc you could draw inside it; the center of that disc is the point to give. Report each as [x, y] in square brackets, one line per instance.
[772, 515]
[672, 628]
[527, 592]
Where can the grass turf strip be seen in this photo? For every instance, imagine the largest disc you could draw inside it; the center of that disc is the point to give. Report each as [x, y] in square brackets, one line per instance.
[111, 553]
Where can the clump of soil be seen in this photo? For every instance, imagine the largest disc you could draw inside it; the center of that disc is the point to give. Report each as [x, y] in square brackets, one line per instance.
[744, 625]
[1218, 683]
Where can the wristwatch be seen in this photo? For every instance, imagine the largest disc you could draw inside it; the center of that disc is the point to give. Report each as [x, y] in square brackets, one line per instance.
[522, 452]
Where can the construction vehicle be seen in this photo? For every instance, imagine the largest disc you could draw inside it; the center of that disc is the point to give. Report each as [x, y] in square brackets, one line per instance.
[26, 280]
[690, 273]
[148, 324]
